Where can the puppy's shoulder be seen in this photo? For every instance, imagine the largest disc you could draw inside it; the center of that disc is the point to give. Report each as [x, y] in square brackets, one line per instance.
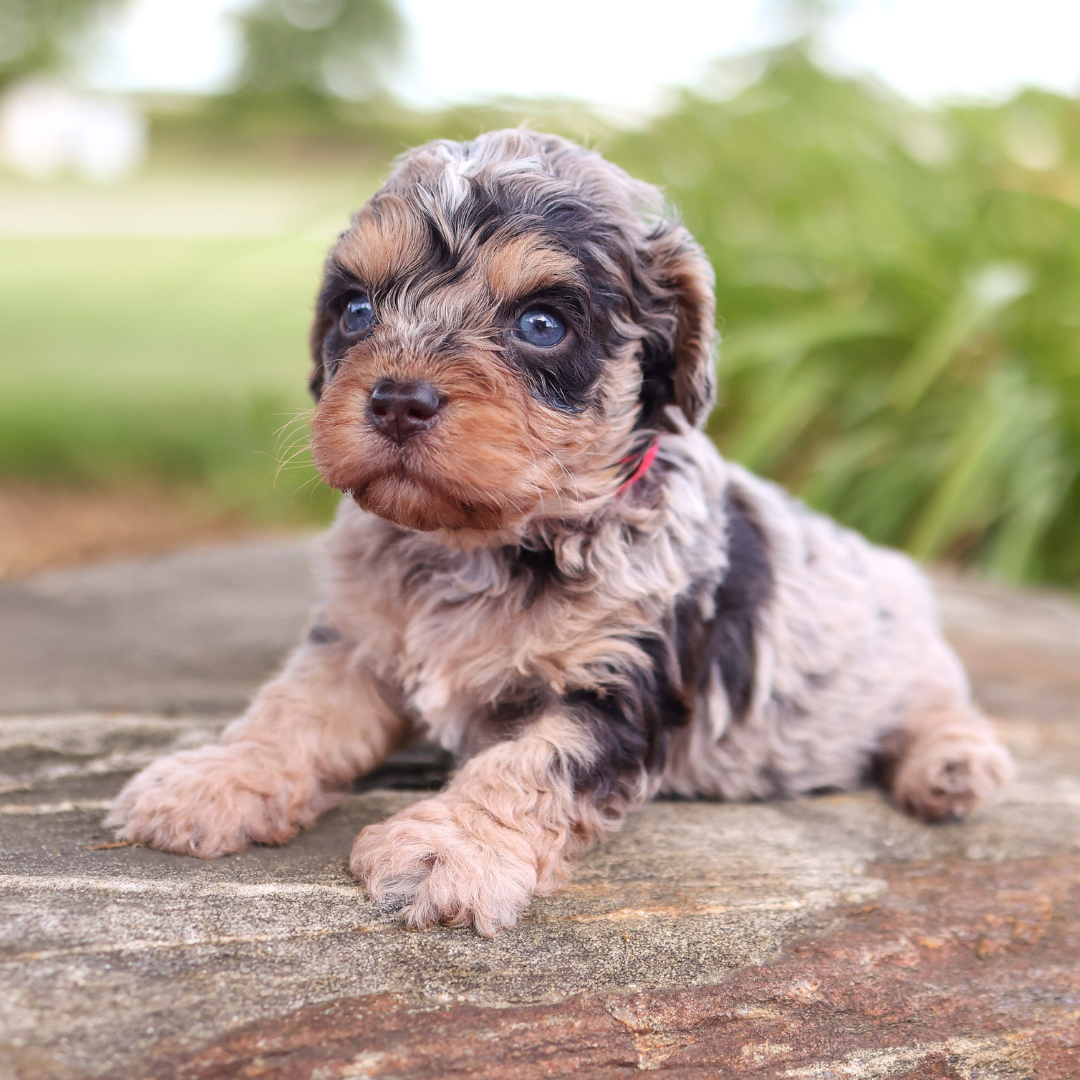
[813, 555]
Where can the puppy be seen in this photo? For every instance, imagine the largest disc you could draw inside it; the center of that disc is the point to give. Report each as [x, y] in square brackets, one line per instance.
[543, 563]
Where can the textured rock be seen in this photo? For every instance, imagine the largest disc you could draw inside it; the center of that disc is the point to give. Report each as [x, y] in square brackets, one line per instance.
[195, 631]
[818, 938]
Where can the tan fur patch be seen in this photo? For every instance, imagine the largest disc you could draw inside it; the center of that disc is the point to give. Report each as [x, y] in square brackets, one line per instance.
[526, 264]
[386, 241]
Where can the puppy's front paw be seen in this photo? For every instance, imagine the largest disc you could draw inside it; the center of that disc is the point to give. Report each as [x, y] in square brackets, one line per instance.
[947, 778]
[214, 800]
[455, 863]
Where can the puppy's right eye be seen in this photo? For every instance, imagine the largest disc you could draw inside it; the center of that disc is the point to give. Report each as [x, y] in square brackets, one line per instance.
[541, 328]
[358, 315]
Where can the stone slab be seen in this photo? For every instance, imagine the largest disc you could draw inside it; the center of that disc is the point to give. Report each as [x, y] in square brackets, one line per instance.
[128, 962]
[816, 938]
[192, 632]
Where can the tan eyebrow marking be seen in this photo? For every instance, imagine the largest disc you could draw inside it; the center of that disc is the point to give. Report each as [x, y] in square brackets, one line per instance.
[527, 264]
[386, 241]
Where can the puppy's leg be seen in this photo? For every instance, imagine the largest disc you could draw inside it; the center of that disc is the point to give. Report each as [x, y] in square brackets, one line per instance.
[307, 734]
[945, 762]
[497, 835]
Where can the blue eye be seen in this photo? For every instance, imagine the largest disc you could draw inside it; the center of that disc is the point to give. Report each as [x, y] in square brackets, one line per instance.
[358, 315]
[541, 328]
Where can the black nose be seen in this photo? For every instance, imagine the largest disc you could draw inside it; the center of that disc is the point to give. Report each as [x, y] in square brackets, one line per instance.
[401, 410]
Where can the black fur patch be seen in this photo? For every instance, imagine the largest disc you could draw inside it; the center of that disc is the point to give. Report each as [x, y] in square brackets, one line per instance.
[658, 362]
[540, 567]
[629, 722]
[728, 641]
[565, 375]
[329, 341]
[747, 586]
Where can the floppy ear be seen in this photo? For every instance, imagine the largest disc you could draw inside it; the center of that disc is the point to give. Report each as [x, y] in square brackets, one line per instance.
[320, 327]
[679, 351]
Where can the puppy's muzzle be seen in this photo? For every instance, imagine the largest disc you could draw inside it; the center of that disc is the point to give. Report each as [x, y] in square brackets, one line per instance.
[402, 410]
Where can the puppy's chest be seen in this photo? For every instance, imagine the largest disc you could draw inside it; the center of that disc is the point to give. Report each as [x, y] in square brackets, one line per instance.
[488, 645]
[465, 650]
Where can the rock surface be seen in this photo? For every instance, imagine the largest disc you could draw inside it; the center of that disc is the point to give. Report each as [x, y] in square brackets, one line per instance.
[193, 632]
[818, 938]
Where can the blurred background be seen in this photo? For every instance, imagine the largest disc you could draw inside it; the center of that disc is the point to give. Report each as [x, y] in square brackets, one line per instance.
[889, 191]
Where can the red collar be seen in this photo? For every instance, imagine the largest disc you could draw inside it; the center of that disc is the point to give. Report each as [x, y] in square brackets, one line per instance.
[642, 467]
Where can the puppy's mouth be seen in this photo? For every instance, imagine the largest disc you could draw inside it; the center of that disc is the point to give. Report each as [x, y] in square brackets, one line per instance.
[408, 501]
[408, 456]
[395, 484]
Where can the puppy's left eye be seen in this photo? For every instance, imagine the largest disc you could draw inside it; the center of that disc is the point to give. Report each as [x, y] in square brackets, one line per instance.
[539, 327]
[358, 315]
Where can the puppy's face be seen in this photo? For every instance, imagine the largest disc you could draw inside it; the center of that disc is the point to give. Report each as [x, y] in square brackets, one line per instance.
[501, 323]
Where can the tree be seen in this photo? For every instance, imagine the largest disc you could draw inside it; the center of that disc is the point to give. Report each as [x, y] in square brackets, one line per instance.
[40, 35]
[318, 48]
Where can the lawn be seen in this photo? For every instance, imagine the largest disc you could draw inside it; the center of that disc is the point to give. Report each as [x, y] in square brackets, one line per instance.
[174, 359]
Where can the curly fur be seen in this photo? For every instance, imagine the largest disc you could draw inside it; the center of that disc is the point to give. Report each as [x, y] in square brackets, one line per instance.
[492, 583]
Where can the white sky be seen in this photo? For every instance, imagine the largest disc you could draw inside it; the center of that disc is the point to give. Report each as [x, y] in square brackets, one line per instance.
[621, 54]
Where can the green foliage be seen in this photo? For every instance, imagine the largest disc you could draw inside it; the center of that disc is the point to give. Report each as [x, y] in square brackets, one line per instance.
[343, 48]
[36, 35]
[899, 294]
[311, 68]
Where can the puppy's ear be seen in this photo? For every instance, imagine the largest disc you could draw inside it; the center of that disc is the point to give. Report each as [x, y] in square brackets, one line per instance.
[320, 327]
[678, 360]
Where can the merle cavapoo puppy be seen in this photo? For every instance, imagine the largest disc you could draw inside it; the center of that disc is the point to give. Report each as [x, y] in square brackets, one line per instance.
[544, 565]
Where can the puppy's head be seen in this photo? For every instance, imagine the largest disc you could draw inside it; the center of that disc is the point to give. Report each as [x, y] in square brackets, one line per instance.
[504, 321]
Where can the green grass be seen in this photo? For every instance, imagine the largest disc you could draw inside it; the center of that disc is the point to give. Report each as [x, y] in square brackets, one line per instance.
[175, 360]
